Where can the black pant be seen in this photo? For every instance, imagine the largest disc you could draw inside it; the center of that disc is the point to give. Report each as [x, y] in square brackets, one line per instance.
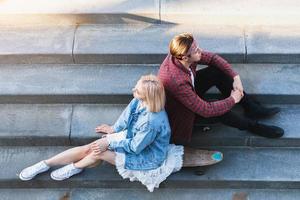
[212, 76]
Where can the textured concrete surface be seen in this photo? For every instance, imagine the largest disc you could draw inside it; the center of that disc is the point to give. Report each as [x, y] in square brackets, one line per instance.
[77, 6]
[144, 43]
[271, 44]
[35, 124]
[71, 79]
[160, 194]
[238, 13]
[78, 12]
[170, 194]
[87, 117]
[35, 194]
[36, 44]
[26, 124]
[222, 12]
[258, 168]
[149, 43]
[107, 83]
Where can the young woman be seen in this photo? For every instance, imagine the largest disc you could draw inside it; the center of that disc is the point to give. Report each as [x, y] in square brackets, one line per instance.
[137, 144]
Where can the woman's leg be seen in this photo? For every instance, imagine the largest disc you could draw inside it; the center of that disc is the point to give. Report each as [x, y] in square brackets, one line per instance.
[93, 159]
[63, 158]
[69, 156]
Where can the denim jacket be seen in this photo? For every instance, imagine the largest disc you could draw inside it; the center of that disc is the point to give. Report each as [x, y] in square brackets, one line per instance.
[147, 139]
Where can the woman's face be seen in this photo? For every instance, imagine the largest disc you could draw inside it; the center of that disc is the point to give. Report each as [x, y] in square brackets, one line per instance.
[137, 91]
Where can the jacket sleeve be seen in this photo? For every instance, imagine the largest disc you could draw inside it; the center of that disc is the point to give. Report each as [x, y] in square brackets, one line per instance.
[122, 121]
[215, 60]
[185, 94]
[145, 136]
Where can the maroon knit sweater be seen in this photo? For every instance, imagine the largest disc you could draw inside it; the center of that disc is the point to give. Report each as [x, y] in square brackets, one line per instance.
[183, 104]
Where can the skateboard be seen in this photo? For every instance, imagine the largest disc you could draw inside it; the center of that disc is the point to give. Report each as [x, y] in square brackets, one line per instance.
[197, 158]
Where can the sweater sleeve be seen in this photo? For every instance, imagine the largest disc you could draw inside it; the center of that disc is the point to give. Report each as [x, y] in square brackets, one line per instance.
[215, 60]
[184, 93]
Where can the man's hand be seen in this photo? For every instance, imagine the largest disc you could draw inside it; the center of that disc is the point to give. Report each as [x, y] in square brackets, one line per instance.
[237, 95]
[104, 128]
[99, 146]
[237, 84]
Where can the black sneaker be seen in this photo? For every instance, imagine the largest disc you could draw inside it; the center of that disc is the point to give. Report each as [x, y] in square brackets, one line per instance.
[266, 130]
[257, 111]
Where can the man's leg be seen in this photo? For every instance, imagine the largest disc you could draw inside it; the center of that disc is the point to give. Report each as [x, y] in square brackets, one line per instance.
[211, 76]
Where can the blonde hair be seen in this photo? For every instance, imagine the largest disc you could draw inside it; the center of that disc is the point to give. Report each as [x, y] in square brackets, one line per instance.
[180, 45]
[152, 93]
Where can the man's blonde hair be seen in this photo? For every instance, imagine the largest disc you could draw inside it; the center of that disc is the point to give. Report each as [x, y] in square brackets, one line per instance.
[180, 45]
[152, 93]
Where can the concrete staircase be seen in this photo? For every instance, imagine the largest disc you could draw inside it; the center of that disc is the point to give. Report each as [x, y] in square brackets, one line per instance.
[63, 72]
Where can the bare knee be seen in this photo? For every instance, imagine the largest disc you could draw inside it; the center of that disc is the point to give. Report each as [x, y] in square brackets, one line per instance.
[95, 157]
[86, 149]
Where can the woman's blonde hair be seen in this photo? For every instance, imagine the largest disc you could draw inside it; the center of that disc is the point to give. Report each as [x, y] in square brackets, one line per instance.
[152, 93]
[180, 45]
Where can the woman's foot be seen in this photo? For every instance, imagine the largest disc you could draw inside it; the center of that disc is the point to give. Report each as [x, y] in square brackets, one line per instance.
[30, 172]
[65, 172]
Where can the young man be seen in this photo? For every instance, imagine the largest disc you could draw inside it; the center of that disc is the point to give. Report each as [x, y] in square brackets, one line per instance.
[185, 87]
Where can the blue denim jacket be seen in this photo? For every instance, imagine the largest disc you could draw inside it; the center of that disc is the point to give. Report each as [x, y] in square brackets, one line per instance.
[147, 139]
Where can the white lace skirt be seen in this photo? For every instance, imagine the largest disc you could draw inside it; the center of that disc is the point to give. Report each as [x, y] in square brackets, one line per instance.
[150, 178]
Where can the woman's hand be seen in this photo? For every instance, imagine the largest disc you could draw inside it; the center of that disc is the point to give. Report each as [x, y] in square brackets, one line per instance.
[99, 146]
[104, 128]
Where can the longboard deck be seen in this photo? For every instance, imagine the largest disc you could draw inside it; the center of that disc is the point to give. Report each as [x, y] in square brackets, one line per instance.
[196, 157]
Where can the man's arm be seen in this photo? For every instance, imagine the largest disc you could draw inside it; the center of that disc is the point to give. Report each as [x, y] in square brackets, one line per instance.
[184, 93]
[208, 58]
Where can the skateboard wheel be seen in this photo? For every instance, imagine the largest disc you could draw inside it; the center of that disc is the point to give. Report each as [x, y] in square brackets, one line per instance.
[206, 128]
[218, 156]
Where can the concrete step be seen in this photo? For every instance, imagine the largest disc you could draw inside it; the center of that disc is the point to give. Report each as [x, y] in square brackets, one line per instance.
[144, 43]
[229, 12]
[251, 168]
[53, 83]
[78, 12]
[37, 44]
[160, 194]
[64, 124]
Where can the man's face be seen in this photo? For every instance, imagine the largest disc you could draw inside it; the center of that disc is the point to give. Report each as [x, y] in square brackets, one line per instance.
[194, 53]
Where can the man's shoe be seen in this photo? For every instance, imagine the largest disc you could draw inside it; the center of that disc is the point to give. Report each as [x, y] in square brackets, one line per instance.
[266, 130]
[30, 172]
[65, 172]
[255, 110]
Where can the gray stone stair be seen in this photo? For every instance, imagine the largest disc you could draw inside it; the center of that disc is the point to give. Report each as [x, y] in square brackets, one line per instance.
[252, 168]
[161, 194]
[104, 83]
[143, 43]
[63, 72]
[67, 124]
[195, 12]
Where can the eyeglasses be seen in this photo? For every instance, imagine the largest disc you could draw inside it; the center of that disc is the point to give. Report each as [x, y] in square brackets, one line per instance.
[195, 50]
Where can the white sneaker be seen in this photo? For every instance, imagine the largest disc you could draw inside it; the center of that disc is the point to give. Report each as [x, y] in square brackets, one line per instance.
[30, 172]
[65, 172]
